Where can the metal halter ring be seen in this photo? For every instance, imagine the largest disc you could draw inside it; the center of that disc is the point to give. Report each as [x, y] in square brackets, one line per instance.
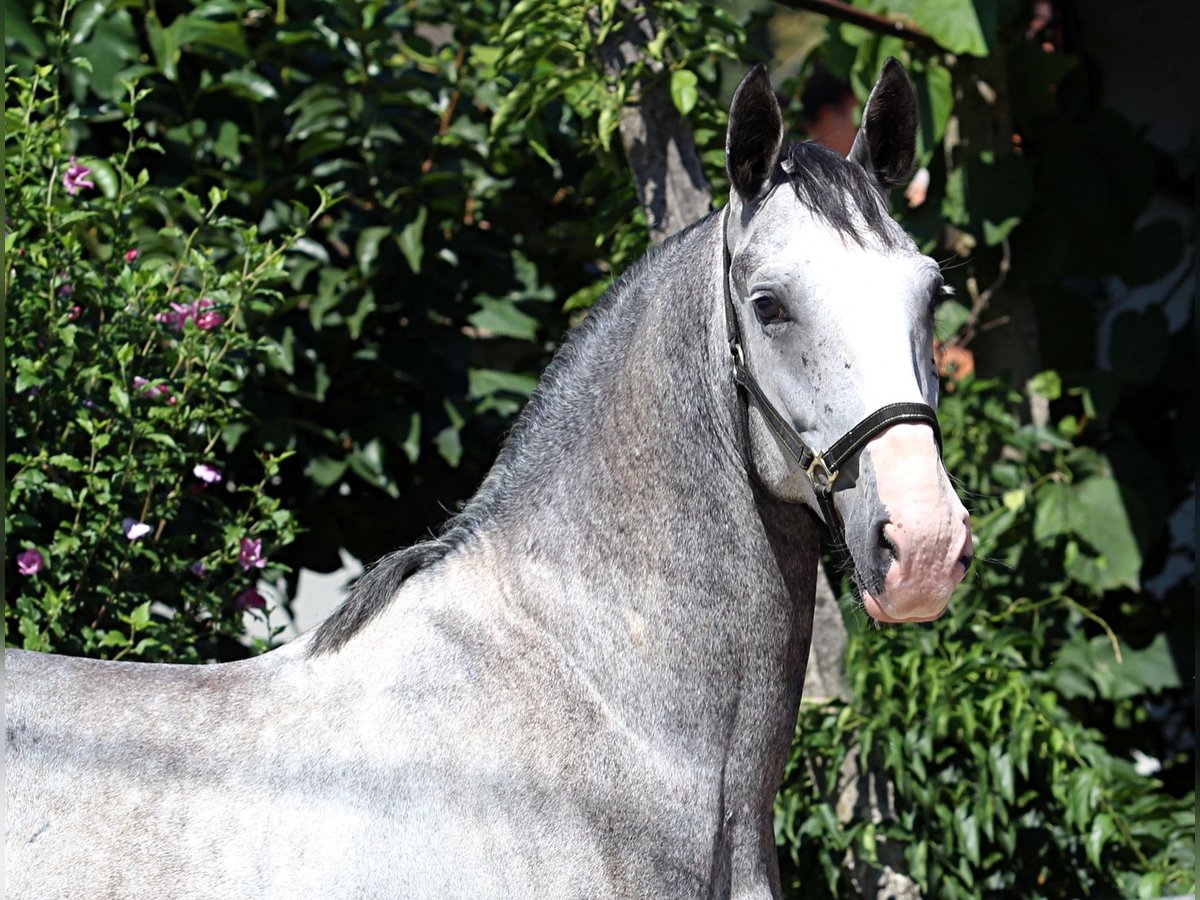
[819, 473]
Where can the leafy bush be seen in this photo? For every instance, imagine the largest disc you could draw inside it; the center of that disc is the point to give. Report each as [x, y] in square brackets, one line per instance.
[998, 788]
[125, 352]
[419, 309]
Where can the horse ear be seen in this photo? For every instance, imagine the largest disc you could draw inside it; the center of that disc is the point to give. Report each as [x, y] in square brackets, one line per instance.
[755, 134]
[886, 144]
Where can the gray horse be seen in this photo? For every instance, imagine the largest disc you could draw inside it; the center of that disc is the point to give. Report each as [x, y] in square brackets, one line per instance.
[588, 685]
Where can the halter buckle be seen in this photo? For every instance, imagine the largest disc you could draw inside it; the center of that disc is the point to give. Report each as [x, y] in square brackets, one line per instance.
[819, 473]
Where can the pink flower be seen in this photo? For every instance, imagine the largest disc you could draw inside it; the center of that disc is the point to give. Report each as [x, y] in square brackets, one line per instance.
[76, 177]
[201, 312]
[75, 313]
[178, 316]
[131, 255]
[134, 530]
[208, 474]
[250, 555]
[206, 318]
[198, 568]
[30, 562]
[153, 391]
[250, 599]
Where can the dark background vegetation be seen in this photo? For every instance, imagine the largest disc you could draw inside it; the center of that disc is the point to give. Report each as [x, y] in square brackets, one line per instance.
[483, 203]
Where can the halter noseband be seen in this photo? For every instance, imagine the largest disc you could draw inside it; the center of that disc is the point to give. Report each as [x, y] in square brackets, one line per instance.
[821, 467]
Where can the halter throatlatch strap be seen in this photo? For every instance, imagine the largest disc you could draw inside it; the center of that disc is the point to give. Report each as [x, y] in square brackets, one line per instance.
[821, 467]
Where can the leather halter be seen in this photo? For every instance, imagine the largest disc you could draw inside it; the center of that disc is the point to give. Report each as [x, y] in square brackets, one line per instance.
[821, 466]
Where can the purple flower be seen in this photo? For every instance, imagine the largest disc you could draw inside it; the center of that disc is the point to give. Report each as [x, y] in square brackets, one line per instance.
[153, 391]
[76, 177]
[206, 318]
[178, 316]
[250, 599]
[199, 569]
[208, 474]
[30, 562]
[131, 255]
[134, 530]
[250, 555]
[201, 312]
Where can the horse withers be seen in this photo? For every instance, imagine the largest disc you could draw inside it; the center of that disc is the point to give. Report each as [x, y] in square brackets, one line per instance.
[589, 683]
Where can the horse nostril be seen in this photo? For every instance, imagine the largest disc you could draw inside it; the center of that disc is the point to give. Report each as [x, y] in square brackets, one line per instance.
[965, 561]
[886, 543]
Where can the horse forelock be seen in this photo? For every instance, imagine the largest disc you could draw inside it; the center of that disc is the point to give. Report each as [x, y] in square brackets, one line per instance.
[838, 192]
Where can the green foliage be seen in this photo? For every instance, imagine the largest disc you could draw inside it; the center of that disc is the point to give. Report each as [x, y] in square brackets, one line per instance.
[1009, 728]
[999, 788]
[483, 201]
[434, 264]
[125, 349]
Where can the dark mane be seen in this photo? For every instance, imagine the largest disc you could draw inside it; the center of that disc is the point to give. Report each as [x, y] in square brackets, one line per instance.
[370, 594]
[838, 191]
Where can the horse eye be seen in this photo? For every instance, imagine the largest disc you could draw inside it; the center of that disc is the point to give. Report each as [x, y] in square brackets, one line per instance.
[768, 308]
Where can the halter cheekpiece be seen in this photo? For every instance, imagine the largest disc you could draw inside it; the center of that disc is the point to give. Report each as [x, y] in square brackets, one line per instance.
[821, 466]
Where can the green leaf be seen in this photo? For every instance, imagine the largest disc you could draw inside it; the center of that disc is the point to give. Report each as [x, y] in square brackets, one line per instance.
[139, 617]
[939, 97]
[952, 23]
[1058, 512]
[948, 318]
[1102, 829]
[249, 85]
[118, 397]
[325, 471]
[412, 240]
[502, 318]
[485, 382]
[684, 92]
[366, 250]
[1090, 668]
[162, 45]
[113, 639]
[995, 232]
[18, 29]
[449, 445]
[1105, 525]
[412, 442]
[1046, 384]
[106, 177]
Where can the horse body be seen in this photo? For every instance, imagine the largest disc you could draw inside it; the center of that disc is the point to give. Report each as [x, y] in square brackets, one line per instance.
[588, 686]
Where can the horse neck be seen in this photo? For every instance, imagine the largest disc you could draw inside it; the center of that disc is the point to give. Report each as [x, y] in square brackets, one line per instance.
[624, 522]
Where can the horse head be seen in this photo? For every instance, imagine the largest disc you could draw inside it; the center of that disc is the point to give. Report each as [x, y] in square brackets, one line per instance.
[830, 316]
